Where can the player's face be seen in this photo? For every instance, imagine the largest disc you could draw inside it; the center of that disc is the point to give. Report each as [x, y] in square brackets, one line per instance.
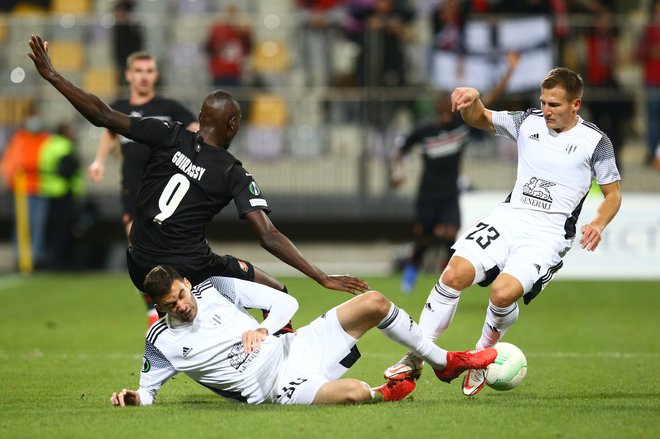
[142, 76]
[559, 112]
[179, 302]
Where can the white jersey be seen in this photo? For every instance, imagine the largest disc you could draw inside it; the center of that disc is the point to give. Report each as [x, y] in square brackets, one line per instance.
[555, 170]
[209, 349]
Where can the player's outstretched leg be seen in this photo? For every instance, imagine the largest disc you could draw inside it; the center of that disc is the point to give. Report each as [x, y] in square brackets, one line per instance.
[435, 318]
[498, 321]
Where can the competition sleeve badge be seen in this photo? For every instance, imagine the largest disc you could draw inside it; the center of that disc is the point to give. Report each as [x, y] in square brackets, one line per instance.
[146, 365]
[254, 189]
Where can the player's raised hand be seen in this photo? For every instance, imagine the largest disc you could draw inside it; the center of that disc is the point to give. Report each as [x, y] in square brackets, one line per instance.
[345, 282]
[463, 97]
[39, 56]
[125, 397]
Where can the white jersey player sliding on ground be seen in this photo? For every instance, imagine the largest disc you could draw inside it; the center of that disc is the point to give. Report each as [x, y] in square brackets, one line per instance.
[520, 246]
[208, 335]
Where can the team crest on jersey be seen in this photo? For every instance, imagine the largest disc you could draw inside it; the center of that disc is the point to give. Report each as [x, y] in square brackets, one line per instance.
[254, 188]
[146, 365]
[536, 193]
[243, 265]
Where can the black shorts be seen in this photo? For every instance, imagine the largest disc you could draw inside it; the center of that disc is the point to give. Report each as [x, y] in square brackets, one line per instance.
[215, 265]
[433, 211]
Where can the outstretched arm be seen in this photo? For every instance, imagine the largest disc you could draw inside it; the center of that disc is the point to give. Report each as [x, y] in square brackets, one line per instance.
[467, 101]
[90, 106]
[281, 247]
[591, 233]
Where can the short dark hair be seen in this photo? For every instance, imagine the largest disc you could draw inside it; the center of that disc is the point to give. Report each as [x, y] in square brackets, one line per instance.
[159, 280]
[564, 78]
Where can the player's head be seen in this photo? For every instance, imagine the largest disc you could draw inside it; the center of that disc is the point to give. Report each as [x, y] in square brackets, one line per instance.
[561, 98]
[219, 118]
[141, 72]
[171, 293]
[443, 107]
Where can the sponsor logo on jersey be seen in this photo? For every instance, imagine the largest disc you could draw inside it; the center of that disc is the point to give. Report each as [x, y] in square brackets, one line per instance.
[537, 194]
[538, 268]
[186, 165]
[570, 148]
[534, 136]
[238, 358]
[428, 306]
[146, 365]
[254, 188]
[243, 266]
[186, 351]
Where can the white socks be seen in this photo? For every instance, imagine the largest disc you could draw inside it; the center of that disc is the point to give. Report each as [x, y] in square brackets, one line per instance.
[498, 320]
[439, 310]
[401, 328]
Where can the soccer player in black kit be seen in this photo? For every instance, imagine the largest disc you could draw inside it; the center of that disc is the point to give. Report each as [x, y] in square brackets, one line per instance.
[189, 178]
[437, 212]
[141, 75]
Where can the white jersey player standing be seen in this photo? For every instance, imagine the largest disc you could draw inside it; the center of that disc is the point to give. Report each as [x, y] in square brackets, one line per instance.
[518, 248]
[207, 334]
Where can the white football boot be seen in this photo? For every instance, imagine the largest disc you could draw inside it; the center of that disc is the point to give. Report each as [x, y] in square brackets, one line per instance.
[409, 366]
[474, 381]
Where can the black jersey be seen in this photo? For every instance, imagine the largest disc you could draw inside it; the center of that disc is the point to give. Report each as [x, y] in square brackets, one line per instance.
[185, 184]
[136, 154]
[442, 148]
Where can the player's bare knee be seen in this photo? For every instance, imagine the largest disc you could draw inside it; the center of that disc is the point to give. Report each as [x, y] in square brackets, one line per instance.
[456, 278]
[501, 296]
[377, 303]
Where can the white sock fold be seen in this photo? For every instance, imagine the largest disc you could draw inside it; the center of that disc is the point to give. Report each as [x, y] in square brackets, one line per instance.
[439, 310]
[401, 328]
[498, 320]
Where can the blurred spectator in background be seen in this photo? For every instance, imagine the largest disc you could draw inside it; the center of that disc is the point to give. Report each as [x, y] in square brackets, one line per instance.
[127, 36]
[22, 157]
[380, 28]
[611, 108]
[228, 45]
[437, 211]
[448, 20]
[319, 21]
[62, 184]
[648, 53]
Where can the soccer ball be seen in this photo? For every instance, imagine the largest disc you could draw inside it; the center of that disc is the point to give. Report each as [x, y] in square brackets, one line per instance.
[509, 368]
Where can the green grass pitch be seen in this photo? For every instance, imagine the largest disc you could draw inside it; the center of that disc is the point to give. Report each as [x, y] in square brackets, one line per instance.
[592, 347]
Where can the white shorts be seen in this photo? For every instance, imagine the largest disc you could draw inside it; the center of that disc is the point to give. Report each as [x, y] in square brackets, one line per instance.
[503, 243]
[313, 356]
